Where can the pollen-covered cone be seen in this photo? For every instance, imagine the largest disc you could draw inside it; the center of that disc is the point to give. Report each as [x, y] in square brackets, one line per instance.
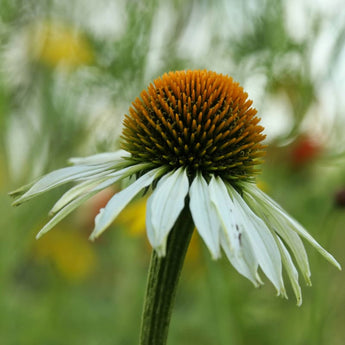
[194, 140]
[201, 121]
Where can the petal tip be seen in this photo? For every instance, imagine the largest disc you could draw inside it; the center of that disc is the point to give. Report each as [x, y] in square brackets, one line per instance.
[307, 279]
[282, 292]
[215, 255]
[12, 194]
[338, 266]
[93, 236]
[257, 283]
[39, 235]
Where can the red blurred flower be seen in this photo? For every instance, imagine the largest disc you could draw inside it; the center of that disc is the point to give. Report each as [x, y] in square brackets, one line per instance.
[304, 151]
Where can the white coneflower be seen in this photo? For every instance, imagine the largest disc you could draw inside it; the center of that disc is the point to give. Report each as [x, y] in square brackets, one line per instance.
[194, 138]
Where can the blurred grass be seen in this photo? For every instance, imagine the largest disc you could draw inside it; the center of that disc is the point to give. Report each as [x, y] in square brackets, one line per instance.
[65, 290]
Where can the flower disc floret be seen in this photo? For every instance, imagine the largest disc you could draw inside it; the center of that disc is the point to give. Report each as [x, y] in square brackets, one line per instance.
[199, 120]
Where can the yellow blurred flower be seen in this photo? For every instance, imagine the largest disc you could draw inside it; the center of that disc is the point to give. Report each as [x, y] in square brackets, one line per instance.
[55, 43]
[133, 217]
[70, 252]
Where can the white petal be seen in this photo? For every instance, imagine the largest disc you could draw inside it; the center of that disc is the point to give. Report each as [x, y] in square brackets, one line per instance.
[262, 241]
[204, 215]
[291, 271]
[305, 234]
[130, 170]
[282, 216]
[283, 229]
[234, 242]
[225, 208]
[64, 213]
[74, 193]
[21, 190]
[97, 184]
[119, 201]
[246, 264]
[79, 194]
[105, 157]
[105, 172]
[166, 203]
[89, 167]
[149, 226]
[56, 178]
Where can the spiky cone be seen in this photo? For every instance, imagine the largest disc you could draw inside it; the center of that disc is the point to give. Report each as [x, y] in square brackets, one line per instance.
[201, 121]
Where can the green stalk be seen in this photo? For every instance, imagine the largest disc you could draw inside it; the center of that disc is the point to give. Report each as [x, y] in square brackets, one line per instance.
[163, 277]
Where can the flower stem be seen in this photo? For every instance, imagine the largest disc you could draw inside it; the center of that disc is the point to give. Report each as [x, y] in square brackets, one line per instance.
[163, 277]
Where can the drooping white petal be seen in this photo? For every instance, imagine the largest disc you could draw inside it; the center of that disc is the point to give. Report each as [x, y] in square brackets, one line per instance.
[225, 208]
[119, 201]
[98, 175]
[56, 178]
[262, 241]
[73, 193]
[282, 216]
[283, 229]
[291, 271]
[204, 215]
[234, 242]
[79, 194]
[100, 158]
[164, 206]
[246, 264]
[64, 213]
[95, 184]
[148, 221]
[305, 234]
[21, 190]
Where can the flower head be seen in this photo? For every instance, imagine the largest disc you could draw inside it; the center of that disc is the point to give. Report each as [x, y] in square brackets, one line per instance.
[194, 138]
[197, 120]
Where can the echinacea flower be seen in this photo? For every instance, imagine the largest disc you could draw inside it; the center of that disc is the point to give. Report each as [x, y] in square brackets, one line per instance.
[194, 139]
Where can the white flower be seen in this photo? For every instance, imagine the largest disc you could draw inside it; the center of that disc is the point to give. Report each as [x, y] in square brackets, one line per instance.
[194, 138]
[251, 228]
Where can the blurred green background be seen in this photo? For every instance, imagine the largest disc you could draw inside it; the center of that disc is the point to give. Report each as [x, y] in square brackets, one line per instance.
[68, 73]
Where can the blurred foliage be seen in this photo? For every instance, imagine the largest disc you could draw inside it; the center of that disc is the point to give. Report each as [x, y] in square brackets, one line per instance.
[68, 73]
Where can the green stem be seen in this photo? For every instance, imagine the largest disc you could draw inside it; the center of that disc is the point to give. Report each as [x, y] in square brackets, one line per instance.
[162, 282]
